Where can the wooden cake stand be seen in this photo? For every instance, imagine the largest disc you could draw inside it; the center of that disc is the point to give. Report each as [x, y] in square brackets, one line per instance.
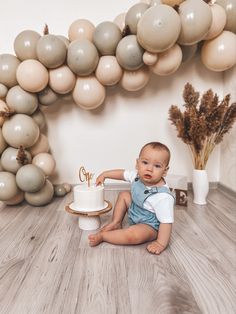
[89, 220]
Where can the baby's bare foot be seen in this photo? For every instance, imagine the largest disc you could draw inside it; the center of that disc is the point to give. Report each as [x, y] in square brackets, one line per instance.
[95, 239]
[111, 226]
[155, 248]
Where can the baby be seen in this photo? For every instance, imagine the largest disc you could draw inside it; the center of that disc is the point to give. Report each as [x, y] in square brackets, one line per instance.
[150, 204]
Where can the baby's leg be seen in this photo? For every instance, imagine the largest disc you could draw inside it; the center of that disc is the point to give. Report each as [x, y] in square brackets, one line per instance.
[135, 234]
[122, 204]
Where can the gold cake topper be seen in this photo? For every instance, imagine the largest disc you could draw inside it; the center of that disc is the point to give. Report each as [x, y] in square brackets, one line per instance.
[85, 176]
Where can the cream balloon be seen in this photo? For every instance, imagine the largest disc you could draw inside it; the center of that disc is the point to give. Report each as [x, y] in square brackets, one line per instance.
[81, 29]
[135, 80]
[196, 19]
[218, 21]
[32, 76]
[42, 197]
[119, 20]
[8, 187]
[3, 91]
[20, 130]
[172, 3]
[88, 93]
[41, 146]
[158, 28]
[46, 162]
[108, 71]
[218, 54]
[168, 61]
[3, 143]
[149, 58]
[19, 198]
[62, 79]
[230, 10]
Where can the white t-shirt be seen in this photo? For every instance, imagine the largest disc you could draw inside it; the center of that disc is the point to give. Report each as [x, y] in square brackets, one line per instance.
[160, 203]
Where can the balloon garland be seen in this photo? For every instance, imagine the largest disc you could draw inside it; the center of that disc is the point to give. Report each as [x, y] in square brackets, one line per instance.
[154, 36]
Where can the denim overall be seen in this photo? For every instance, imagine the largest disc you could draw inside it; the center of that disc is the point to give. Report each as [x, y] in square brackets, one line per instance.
[136, 213]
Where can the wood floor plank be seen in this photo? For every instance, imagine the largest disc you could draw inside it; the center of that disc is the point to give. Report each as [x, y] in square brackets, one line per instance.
[204, 265]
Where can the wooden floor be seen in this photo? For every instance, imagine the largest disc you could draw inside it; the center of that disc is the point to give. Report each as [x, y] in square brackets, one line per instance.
[46, 265]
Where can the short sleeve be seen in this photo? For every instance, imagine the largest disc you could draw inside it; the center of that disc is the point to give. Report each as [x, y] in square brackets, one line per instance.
[130, 175]
[163, 205]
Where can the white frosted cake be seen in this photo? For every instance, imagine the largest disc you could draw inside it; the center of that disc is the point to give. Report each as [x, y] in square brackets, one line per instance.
[88, 198]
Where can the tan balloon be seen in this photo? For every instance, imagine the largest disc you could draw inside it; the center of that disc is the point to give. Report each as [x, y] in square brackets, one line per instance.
[172, 2]
[149, 58]
[62, 79]
[218, 21]
[81, 29]
[218, 54]
[32, 76]
[19, 198]
[158, 28]
[168, 61]
[135, 80]
[46, 162]
[42, 197]
[41, 146]
[108, 71]
[19, 130]
[119, 20]
[88, 93]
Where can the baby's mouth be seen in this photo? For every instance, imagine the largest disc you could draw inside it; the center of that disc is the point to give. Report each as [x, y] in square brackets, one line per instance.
[147, 176]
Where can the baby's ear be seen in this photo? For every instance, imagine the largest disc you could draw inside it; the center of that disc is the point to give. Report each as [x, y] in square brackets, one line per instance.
[136, 166]
[166, 170]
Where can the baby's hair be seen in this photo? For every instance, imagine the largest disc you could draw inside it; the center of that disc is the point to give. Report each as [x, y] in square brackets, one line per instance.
[159, 146]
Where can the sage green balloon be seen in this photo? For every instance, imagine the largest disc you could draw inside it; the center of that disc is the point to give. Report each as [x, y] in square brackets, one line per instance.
[188, 52]
[3, 91]
[39, 118]
[51, 51]
[19, 130]
[196, 19]
[8, 66]
[25, 44]
[30, 178]
[230, 10]
[3, 143]
[8, 187]
[158, 28]
[9, 159]
[133, 16]
[106, 37]
[59, 190]
[21, 101]
[129, 53]
[42, 197]
[82, 57]
[64, 39]
[47, 96]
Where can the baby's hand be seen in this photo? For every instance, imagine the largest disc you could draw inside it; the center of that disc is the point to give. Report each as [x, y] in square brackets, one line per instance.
[155, 247]
[100, 179]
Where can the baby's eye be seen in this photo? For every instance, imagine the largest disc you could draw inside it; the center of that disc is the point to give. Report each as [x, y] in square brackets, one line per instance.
[144, 162]
[158, 166]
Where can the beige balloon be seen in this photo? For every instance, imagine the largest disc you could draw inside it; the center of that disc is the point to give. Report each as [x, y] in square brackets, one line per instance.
[46, 162]
[67, 186]
[41, 146]
[62, 79]
[88, 93]
[39, 118]
[3, 91]
[81, 29]
[172, 3]
[149, 58]
[135, 80]
[32, 76]
[218, 21]
[218, 54]
[108, 71]
[19, 198]
[168, 61]
[42, 197]
[119, 20]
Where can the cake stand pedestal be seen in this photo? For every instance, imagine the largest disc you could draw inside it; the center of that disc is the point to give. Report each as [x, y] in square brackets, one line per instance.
[89, 220]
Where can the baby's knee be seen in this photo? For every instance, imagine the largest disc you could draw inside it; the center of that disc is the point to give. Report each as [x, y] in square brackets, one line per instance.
[125, 195]
[133, 236]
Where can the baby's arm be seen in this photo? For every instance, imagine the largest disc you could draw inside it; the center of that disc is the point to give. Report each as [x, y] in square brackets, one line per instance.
[117, 174]
[163, 239]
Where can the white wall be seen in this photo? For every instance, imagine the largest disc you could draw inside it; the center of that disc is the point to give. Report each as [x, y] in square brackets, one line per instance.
[111, 136]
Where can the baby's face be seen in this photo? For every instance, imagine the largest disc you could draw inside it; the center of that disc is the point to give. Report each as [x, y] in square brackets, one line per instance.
[152, 165]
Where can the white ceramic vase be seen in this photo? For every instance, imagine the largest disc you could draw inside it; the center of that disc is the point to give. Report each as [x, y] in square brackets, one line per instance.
[200, 186]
